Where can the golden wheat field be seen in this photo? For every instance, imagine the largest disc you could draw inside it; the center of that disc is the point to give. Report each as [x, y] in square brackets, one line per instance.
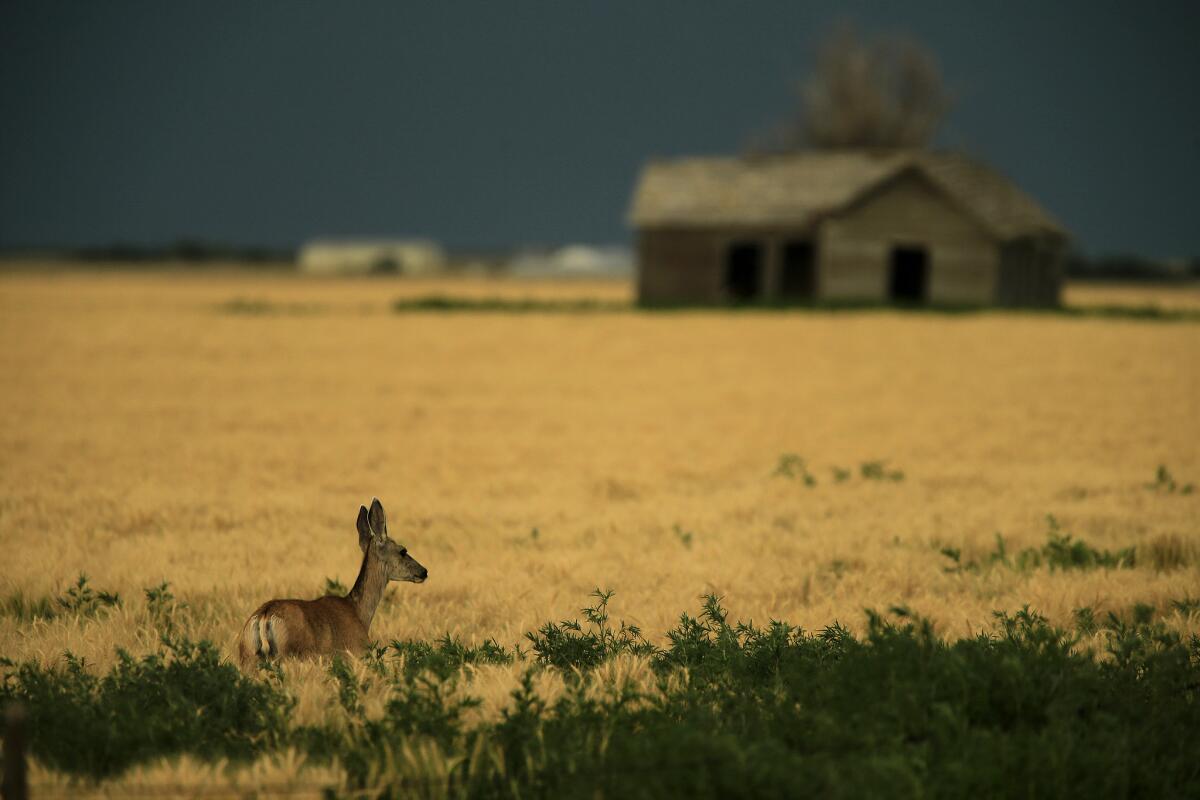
[151, 431]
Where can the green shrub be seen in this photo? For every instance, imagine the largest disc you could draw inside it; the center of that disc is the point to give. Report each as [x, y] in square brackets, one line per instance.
[1165, 482]
[519, 305]
[793, 466]
[878, 471]
[80, 599]
[777, 712]
[1060, 552]
[735, 710]
[447, 655]
[568, 645]
[180, 699]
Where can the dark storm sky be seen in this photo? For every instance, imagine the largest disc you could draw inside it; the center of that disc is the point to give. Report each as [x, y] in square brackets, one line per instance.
[500, 123]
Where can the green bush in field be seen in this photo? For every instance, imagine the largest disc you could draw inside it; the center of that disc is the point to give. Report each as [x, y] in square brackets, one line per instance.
[1165, 482]
[447, 655]
[735, 710]
[1060, 552]
[568, 645]
[777, 712]
[80, 600]
[182, 699]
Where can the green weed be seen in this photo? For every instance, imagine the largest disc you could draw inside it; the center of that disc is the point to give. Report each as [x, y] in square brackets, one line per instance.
[82, 600]
[1165, 482]
[569, 645]
[241, 306]
[23, 608]
[447, 655]
[738, 710]
[878, 471]
[685, 537]
[792, 465]
[180, 699]
[1060, 552]
[522, 305]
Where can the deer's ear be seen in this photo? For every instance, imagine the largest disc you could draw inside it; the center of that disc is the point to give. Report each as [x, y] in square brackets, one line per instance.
[377, 520]
[364, 528]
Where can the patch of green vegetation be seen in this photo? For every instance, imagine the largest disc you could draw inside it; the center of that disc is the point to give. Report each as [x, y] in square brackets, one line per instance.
[778, 712]
[182, 699]
[878, 471]
[1060, 552]
[572, 645]
[1187, 606]
[165, 609]
[80, 599]
[685, 537]
[1146, 313]
[244, 306]
[1151, 313]
[792, 465]
[447, 655]
[737, 710]
[335, 587]
[508, 305]
[24, 608]
[1165, 482]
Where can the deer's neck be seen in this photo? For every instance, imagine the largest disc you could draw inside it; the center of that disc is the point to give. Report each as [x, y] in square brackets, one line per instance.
[368, 588]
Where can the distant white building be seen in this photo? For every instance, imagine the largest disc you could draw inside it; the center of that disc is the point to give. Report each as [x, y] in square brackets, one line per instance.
[350, 257]
[577, 260]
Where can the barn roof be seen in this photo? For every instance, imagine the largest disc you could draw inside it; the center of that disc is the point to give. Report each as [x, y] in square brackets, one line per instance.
[798, 189]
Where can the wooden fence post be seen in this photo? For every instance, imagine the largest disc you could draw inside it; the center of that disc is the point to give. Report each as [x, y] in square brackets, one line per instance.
[15, 785]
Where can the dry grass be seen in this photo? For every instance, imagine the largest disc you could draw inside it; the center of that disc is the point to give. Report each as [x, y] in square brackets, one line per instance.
[146, 436]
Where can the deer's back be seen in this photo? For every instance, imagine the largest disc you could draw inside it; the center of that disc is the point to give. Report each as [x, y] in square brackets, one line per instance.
[283, 628]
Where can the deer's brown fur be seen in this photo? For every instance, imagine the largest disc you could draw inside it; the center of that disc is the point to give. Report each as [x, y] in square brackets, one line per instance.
[299, 628]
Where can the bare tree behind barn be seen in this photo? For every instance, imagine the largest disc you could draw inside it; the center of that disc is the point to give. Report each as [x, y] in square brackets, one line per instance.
[886, 91]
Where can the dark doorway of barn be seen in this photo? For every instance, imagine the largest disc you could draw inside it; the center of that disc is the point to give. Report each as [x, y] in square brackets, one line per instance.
[798, 281]
[909, 278]
[743, 271]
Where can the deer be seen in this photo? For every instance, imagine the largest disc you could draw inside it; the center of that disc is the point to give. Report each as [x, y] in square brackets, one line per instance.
[304, 628]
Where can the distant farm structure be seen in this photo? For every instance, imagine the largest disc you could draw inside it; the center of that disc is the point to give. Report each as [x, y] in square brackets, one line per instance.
[402, 257]
[572, 261]
[842, 226]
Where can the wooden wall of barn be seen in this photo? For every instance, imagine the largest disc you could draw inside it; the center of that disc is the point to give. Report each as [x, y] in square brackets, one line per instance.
[679, 265]
[688, 265]
[1031, 270]
[855, 247]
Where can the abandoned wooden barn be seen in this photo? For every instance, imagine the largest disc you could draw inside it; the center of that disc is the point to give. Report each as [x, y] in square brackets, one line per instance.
[901, 227]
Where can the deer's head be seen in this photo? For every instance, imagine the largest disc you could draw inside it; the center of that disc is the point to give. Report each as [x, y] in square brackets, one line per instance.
[372, 533]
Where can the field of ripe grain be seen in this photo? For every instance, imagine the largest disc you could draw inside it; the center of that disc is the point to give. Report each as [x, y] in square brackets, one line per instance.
[219, 433]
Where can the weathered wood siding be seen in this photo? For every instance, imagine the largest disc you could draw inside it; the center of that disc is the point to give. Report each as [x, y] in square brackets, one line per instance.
[854, 248]
[689, 265]
[679, 266]
[1031, 271]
